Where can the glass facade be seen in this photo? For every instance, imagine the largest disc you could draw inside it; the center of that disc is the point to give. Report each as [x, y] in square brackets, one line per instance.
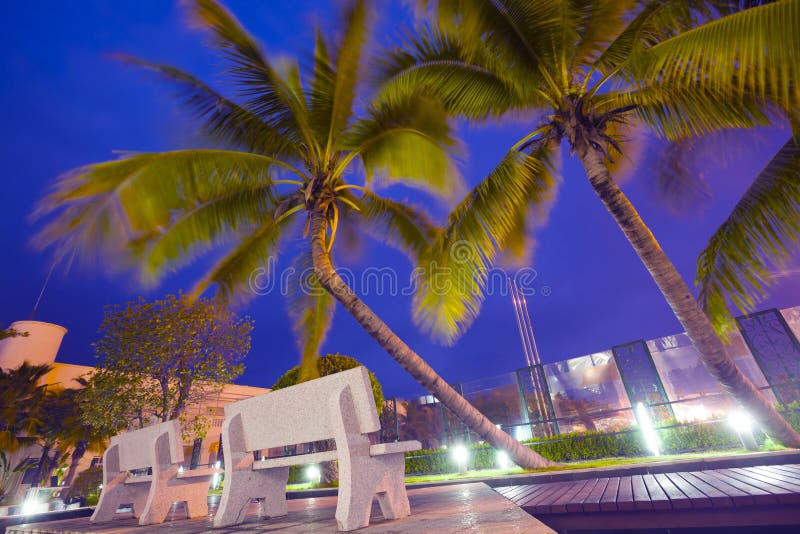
[598, 392]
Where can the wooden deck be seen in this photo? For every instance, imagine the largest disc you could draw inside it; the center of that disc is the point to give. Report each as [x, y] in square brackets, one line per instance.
[763, 495]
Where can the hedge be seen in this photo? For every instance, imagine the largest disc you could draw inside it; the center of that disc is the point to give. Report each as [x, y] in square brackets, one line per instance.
[585, 446]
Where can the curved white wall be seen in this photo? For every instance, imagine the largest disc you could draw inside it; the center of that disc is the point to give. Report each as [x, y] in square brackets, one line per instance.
[40, 346]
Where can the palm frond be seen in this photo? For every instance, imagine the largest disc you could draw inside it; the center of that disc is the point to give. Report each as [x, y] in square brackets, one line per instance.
[761, 233]
[270, 96]
[749, 54]
[104, 206]
[677, 113]
[322, 89]
[409, 142]
[522, 33]
[347, 75]
[198, 230]
[223, 119]
[656, 21]
[246, 269]
[434, 62]
[599, 22]
[454, 268]
[398, 225]
[311, 310]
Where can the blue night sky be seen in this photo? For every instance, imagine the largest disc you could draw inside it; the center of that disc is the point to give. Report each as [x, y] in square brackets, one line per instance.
[63, 103]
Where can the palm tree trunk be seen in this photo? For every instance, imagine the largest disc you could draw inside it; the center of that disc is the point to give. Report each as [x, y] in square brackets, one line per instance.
[698, 328]
[407, 358]
[77, 454]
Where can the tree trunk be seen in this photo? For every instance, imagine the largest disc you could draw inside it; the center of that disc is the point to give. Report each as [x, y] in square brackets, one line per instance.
[44, 461]
[407, 358]
[77, 454]
[698, 328]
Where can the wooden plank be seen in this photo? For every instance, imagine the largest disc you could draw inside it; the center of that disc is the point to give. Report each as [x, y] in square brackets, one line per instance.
[787, 474]
[782, 494]
[737, 496]
[658, 497]
[544, 505]
[559, 506]
[544, 495]
[625, 495]
[677, 499]
[502, 490]
[592, 501]
[528, 494]
[609, 500]
[758, 495]
[695, 496]
[641, 499]
[771, 478]
[792, 468]
[516, 490]
[577, 502]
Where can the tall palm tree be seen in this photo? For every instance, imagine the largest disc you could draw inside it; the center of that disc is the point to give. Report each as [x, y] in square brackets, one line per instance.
[294, 142]
[590, 71]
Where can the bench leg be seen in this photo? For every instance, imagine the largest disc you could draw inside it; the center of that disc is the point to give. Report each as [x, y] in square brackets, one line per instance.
[392, 494]
[244, 485]
[113, 494]
[356, 490]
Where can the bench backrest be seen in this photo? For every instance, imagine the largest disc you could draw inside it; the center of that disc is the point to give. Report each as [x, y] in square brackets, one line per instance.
[136, 449]
[303, 413]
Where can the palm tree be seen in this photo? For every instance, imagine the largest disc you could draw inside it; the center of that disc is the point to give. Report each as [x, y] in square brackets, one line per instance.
[293, 145]
[75, 434]
[21, 400]
[590, 71]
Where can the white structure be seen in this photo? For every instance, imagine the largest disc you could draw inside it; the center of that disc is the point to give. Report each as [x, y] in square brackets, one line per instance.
[339, 407]
[158, 448]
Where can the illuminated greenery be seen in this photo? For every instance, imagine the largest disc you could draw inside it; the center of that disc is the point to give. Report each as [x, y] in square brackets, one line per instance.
[156, 358]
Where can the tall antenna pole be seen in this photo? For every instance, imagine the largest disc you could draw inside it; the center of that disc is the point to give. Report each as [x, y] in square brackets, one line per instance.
[528, 346]
[538, 370]
[41, 293]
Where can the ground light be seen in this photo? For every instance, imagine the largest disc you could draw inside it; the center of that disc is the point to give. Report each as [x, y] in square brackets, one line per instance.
[215, 477]
[313, 474]
[460, 455]
[742, 423]
[646, 425]
[503, 461]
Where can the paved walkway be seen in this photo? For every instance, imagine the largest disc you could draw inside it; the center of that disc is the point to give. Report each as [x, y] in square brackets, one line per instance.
[749, 496]
[464, 508]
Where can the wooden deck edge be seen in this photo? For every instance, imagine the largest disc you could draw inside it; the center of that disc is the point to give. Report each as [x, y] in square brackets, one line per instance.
[776, 515]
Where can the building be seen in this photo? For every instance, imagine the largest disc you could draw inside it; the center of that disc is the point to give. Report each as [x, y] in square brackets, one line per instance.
[41, 346]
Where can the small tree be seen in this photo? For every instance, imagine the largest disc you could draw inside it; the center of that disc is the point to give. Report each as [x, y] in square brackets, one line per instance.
[328, 365]
[157, 358]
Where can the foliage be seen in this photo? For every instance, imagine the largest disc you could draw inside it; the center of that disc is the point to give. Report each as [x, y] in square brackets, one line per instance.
[327, 365]
[86, 486]
[593, 74]
[296, 141]
[21, 403]
[11, 332]
[157, 358]
[579, 446]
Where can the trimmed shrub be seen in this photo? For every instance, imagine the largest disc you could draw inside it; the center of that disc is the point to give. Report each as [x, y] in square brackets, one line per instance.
[86, 487]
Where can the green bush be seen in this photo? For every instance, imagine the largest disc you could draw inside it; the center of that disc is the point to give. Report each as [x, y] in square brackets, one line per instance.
[86, 486]
[586, 446]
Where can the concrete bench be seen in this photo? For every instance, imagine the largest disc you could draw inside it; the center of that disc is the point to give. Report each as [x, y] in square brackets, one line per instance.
[339, 407]
[159, 449]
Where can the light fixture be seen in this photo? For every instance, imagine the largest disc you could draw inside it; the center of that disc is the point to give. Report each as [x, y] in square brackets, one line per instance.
[503, 461]
[742, 423]
[313, 474]
[646, 425]
[460, 455]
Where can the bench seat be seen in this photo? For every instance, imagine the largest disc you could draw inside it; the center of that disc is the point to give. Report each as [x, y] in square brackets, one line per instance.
[327, 456]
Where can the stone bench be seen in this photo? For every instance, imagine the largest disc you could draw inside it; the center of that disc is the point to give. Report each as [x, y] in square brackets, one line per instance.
[159, 449]
[339, 407]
